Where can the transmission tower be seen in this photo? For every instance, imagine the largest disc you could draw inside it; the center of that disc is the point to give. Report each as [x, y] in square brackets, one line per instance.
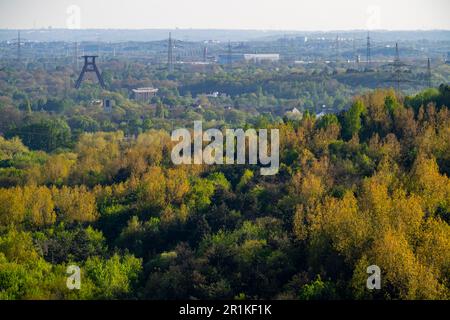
[357, 56]
[170, 53]
[90, 66]
[337, 49]
[75, 53]
[19, 47]
[229, 58]
[19, 41]
[205, 54]
[368, 53]
[398, 66]
[98, 45]
[397, 54]
[429, 75]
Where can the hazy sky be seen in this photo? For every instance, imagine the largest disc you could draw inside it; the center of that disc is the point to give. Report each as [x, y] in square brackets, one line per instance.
[227, 14]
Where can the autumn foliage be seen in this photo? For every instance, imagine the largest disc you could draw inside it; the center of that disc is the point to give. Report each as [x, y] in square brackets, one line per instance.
[369, 186]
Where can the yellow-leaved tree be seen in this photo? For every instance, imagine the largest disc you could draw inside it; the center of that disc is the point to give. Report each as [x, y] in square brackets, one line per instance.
[39, 206]
[12, 206]
[75, 204]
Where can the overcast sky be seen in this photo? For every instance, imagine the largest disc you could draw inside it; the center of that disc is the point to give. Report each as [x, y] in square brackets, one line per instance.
[227, 14]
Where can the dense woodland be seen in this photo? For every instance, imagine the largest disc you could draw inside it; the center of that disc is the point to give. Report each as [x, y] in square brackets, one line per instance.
[368, 184]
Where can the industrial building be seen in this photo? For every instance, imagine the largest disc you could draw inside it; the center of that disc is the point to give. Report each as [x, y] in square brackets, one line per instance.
[260, 57]
[248, 57]
[144, 94]
[108, 104]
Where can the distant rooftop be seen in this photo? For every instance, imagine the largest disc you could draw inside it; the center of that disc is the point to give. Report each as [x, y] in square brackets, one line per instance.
[262, 56]
[145, 90]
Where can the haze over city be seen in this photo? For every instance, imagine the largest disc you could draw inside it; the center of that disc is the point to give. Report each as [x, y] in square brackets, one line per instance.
[231, 14]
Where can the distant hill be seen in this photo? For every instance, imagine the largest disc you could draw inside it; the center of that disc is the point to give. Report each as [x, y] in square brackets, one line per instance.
[113, 35]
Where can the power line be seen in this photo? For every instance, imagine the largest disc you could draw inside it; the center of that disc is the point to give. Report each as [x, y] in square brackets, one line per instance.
[337, 49]
[19, 52]
[229, 58]
[19, 41]
[398, 66]
[205, 54]
[170, 53]
[76, 55]
[368, 52]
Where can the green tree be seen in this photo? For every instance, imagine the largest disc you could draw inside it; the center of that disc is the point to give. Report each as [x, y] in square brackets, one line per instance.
[47, 134]
[352, 119]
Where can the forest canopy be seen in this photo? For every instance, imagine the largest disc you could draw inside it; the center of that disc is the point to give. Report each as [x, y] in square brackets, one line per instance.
[366, 186]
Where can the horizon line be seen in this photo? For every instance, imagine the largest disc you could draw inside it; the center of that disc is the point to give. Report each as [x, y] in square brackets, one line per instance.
[222, 29]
